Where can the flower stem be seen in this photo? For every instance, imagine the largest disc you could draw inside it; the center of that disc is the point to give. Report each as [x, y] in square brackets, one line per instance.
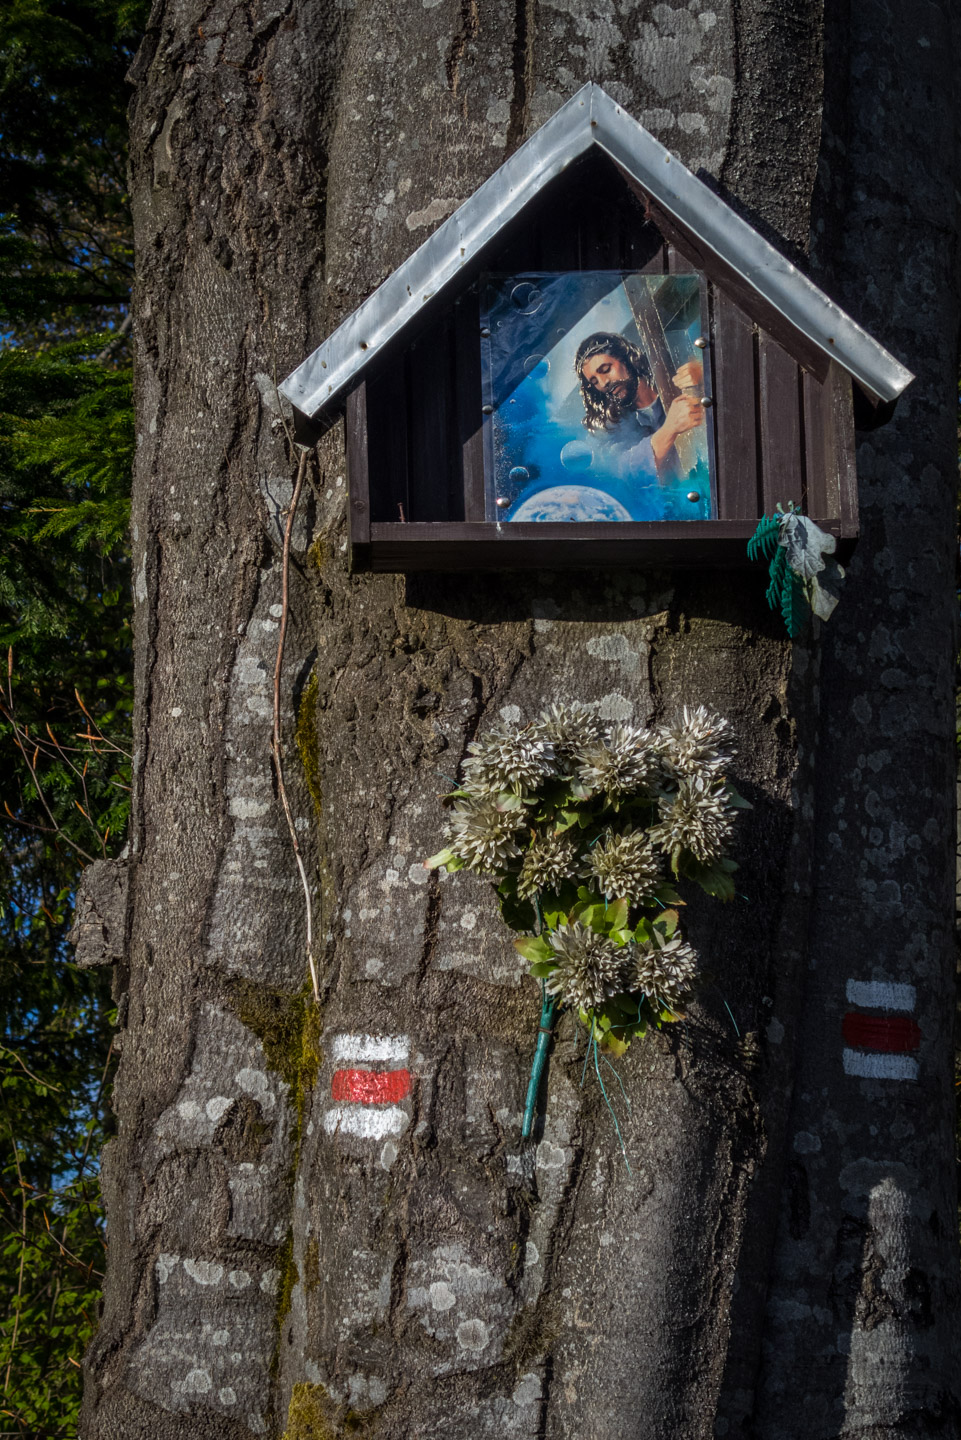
[544, 1034]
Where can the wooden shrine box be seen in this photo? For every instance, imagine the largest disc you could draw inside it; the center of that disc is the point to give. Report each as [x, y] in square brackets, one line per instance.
[784, 369]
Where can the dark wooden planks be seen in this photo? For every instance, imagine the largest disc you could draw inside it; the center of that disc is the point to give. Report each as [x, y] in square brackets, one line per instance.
[779, 411]
[358, 468]
[830, 451]
[468, 474]
[832, 483]
[594, 547]
[432, 425]
[820, 451]
[387, 442]
[842, 403]
[557, 242]
[735, 385]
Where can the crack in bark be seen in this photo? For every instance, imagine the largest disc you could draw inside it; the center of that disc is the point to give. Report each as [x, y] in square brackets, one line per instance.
[525, 29]
[469, 27]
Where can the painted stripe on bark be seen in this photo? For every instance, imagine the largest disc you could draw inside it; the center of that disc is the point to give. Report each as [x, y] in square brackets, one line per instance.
[871, 1066]
[895, 1034]
[881, 995]
[371, 1087]
[364, 1123]
[364, 1049]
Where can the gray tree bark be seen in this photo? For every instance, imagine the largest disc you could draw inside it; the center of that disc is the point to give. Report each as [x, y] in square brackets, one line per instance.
[782, 1257]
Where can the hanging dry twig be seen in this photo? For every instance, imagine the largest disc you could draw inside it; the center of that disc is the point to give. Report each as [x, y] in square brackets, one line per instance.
[276, 746]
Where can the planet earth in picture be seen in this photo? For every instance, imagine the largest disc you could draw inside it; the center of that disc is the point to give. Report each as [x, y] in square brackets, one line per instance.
[570, 502]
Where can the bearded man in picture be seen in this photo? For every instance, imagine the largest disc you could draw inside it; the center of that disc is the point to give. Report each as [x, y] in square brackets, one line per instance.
[623, 410]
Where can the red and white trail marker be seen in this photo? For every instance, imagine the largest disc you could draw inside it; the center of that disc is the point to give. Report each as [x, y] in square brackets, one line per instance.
[880, 1047]
[369, 1084]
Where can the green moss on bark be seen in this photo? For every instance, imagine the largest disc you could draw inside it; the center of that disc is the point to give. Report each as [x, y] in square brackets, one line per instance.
[288, 1027]
[308, 741]
[289, 1277]
[313, 1415]
[311, 1265]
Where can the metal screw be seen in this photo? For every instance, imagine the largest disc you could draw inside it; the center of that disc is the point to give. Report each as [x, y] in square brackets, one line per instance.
[485, 334]
[706, 401]
[503, 501]
[700, 343]
[693, 496]
[487, 409]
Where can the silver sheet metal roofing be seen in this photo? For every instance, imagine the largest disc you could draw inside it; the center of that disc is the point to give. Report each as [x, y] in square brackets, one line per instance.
[590, 117]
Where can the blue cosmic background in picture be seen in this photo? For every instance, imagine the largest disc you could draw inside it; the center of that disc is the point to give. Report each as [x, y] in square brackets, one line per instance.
[541, 461]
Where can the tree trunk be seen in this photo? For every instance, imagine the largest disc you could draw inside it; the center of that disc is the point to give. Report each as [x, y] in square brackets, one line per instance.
[269, 1273]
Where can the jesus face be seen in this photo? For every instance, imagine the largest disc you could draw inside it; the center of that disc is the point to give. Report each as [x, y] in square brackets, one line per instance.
[612, 378]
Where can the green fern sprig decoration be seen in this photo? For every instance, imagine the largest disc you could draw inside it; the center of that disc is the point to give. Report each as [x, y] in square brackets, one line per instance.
[787, 591]
[778, 570]
[763, 543]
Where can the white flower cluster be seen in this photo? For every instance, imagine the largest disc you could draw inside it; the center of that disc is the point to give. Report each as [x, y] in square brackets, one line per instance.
[547, 864]
[695, 743]
[665, 971]
[625, 865]
[699, 817]
[483, 836]
[622, 762]
[677, 768]
[591, 968]
[569, 728]
[503, 761]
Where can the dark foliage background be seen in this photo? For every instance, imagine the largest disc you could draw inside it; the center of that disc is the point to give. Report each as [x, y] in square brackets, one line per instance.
[66, 438]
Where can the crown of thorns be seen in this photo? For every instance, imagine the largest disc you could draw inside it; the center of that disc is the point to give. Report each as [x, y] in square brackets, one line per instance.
[603, 343]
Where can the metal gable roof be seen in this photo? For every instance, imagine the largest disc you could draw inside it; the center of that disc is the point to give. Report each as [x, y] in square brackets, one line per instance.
[589, 118]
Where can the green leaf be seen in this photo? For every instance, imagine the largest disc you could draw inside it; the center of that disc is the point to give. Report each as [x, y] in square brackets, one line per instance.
[737, 800]
[542, 968]
[589, 913]
[570, 816]
[777, 571]
[714, 879]
[765, 537]
[668, 922]
[556, 905]
[517, 914]
[617, 914]
[622, 1007]
[508, 800]
[623, 936]
[667, 894]
[534, 948]
[443, 857]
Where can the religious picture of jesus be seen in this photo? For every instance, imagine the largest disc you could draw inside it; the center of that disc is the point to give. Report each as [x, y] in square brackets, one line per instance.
[594, 382]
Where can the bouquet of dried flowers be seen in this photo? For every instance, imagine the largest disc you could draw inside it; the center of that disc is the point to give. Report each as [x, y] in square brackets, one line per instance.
[586, 829]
